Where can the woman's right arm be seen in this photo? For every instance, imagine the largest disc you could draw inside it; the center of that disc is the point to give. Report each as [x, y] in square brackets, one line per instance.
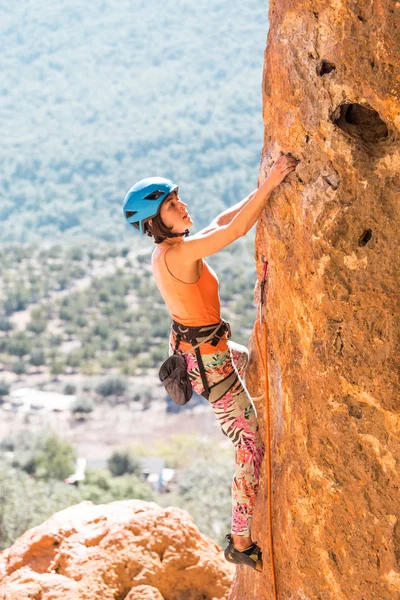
[209, 242]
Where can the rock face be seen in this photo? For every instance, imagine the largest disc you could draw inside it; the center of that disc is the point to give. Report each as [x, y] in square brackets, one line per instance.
[331, 236]
[129, 550]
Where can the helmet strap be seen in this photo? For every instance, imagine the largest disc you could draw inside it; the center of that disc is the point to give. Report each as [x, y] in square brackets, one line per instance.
[174, 235]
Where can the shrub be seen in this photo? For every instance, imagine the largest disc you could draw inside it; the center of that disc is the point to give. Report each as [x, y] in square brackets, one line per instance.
[4, 388]
[19, 367]
[75, 254]
[23, 447]
[81, 321]
[37, 358]
[115, 343]
[112, 387]
[66, 313]
[82, 405]
[70, 329]
[5, 324]
[104, 296]
[74, 359]
[69, 389]
[89, 351]
[128, 368]
[122, 354]
[57, 367]
[90, 368]
[144, 362]
[158, 354]
[37, 325]
[55, 340]
[135, 346]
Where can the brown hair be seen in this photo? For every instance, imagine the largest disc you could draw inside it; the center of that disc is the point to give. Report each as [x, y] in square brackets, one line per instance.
[157, 229]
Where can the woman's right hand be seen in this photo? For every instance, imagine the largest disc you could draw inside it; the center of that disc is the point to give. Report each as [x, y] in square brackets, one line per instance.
[284, 165]
[212, 240]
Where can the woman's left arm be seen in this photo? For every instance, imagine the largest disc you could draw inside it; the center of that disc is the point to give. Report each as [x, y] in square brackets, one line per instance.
[226, 217]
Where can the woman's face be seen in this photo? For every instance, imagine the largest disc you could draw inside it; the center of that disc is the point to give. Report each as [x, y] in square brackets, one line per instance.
[173, 213]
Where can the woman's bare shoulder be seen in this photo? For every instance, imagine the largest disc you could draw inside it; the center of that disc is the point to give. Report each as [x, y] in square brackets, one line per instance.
[185, 271]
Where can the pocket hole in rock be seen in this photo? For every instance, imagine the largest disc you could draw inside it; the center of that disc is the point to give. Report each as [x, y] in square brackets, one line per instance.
[325, 67]
[360, 122]
[332, 181]
[365, 237]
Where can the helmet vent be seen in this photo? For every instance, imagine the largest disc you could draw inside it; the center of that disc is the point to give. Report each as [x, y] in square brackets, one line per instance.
[130, 213]
[155, 195]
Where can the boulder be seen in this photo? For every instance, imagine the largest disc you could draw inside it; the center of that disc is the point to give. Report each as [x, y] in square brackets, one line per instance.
[130, 550]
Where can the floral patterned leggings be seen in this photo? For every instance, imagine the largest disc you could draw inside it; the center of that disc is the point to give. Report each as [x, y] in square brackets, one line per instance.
[238, 420]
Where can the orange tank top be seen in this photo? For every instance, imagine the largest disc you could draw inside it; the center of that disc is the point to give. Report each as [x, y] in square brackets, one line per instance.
[192, 304]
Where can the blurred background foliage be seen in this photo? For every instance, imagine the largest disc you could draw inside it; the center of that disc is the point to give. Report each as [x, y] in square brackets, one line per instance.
[96, 96]
[33, 468]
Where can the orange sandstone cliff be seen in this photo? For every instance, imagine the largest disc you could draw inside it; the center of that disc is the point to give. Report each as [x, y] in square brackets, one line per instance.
[331, 96]
[128, 550]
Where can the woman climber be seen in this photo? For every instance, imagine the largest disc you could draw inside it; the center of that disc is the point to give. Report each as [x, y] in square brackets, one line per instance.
[190, 290]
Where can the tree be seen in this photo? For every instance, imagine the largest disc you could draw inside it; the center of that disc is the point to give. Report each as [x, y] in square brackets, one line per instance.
[19, 345]
[123, 461]
[205, 491]
[54, 458]
[129, 486]
[26, 502]
[17, 300]
[100, 487]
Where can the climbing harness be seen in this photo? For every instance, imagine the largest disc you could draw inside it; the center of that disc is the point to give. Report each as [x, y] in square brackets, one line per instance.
[173, 373]
[263, 358]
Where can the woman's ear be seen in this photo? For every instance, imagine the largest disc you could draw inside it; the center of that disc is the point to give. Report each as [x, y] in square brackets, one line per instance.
[150, 221]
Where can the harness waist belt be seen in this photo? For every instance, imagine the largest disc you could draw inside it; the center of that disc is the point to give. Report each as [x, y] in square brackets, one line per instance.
[196, 335]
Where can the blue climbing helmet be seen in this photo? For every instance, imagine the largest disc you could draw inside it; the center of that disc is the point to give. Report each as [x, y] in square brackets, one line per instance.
[144, 199]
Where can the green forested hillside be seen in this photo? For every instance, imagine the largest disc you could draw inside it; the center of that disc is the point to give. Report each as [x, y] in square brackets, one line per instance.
[80, 310]
[96, 95]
